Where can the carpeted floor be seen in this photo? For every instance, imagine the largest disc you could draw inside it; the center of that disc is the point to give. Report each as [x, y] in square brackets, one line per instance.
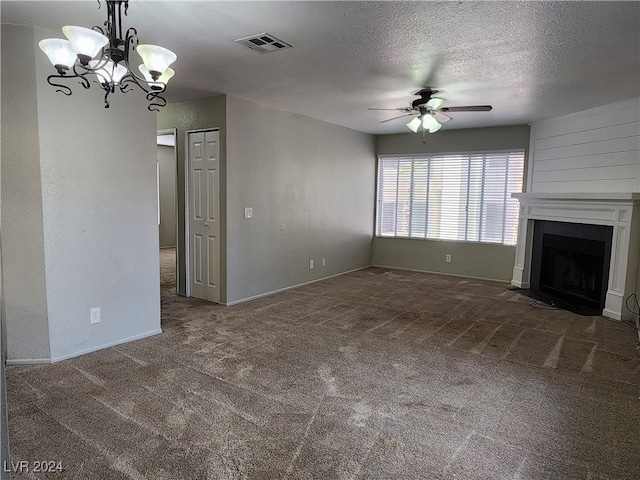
[377, 374]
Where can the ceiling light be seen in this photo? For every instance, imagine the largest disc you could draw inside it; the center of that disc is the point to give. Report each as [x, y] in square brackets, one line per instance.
[105, 54]
[430, 124]
[85, 42]
[160, 82]
[156, 59]
[435, 128]
[60, 53]
[414, 124]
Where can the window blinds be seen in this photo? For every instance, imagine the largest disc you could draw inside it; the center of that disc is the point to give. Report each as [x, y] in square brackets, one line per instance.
[459, 197]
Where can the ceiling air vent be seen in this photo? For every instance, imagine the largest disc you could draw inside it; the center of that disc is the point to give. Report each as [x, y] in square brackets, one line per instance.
[263, 43]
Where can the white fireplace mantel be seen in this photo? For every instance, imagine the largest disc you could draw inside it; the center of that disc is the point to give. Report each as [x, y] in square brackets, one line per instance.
[619, 210]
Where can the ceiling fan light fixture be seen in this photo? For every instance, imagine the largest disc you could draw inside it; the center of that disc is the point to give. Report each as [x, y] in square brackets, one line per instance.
[428, 111]
[435, 128]
[414, 124]
[429, 122]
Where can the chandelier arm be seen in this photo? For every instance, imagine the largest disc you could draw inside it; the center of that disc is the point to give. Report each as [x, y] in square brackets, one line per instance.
[61, 88]
[131, 78]
[130, 44]
[157, 101]
[108, 89]
[84, 81]
[104, 60]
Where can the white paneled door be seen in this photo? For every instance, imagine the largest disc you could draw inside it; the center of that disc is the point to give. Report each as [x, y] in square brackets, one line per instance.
[204, 211]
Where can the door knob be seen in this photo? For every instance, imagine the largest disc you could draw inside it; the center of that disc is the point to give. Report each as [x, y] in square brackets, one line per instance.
[206, 224]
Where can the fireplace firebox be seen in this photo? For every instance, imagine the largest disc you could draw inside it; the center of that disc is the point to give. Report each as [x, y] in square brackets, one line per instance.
[570, 264]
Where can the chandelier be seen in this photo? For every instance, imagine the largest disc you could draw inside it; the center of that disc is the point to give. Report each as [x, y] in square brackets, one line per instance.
[102, 55]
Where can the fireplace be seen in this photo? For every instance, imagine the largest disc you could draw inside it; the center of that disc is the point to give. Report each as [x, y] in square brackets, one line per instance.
[588, 250]
[570, 264]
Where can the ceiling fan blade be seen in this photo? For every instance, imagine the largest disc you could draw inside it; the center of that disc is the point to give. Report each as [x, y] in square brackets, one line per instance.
[403, 109]
[441, 117]
[435, 103]
[470, 108]
[394, 118]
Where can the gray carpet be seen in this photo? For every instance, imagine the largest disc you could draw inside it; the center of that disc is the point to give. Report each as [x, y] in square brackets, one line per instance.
[377, 374]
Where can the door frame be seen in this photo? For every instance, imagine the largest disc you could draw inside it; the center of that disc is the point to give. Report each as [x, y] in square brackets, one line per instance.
[187, 212]
[174, 132]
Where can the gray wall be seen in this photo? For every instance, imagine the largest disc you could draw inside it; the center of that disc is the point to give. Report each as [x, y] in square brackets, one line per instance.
[22, 222]
[468, 259]
[98, 212]
[4, 424]
[207, 113]
[311, 185]
[167, 191]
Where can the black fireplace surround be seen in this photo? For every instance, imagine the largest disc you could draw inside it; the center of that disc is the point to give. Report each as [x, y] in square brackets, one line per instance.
[570, 264]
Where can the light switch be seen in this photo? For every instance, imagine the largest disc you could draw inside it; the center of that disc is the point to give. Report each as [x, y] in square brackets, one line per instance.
[248, 212]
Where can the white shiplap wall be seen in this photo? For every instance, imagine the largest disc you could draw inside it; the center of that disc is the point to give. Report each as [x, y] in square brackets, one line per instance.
[593, 151]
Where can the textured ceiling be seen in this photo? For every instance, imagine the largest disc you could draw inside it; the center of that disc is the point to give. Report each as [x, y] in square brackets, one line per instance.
[531, 60]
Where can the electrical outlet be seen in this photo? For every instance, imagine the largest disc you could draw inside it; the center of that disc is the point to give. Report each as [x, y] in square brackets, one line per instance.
[447, 258]
[310, 264]
[248, 212]
[324, 262]
[94, 315]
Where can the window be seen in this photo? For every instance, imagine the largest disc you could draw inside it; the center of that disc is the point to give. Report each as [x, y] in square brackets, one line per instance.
[459, 197]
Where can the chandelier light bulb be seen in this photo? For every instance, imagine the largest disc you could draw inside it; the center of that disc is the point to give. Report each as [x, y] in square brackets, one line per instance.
[85, 42]
[156, 59]
[60, 53]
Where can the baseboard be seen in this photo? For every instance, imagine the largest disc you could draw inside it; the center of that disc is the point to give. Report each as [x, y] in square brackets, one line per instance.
[443, 273]
[28, 361]
[106, 345]
[273, 292]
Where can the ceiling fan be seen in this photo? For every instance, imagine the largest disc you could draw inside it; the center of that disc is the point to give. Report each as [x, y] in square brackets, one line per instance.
[429, 111]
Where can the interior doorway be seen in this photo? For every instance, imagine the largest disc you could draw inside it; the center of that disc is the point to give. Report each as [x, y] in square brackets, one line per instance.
[166, 177]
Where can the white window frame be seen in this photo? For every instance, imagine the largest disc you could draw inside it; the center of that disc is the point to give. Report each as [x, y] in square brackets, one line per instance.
[466, 220]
